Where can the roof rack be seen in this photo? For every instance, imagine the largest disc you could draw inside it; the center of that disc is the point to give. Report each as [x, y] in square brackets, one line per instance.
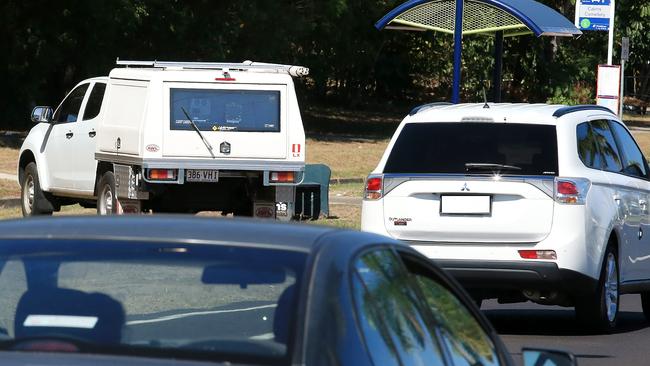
[579, 108]
[297, 71]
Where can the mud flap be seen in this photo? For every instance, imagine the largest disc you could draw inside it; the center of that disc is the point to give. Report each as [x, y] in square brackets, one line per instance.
[284, 202]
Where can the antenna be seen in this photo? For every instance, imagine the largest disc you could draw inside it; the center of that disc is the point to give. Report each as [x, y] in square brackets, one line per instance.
[486, 105]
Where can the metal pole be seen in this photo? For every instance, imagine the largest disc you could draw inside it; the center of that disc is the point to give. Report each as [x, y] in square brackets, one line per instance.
[498, 66]
[622, 93]
[458, 49]
[610, 43]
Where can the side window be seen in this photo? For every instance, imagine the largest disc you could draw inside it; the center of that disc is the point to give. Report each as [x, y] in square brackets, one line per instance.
[463, 335]
[94, 104]
[587, 147]
[69, 109]
[633, 161]
[606, 143]
[391, 315]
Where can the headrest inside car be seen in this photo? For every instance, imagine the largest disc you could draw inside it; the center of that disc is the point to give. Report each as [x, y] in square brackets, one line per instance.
[66, 313]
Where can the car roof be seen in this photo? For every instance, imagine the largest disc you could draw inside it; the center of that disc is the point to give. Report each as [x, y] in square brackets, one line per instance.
[497, 112]
[181, 229]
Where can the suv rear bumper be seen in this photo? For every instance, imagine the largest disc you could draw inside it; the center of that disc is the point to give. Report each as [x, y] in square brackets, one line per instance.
[504, 276]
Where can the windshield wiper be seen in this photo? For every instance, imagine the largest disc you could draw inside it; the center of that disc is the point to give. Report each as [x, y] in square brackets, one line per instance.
[205, 142]
[489, 166]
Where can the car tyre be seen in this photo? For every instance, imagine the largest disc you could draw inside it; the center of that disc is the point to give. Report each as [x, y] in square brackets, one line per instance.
[33, 200]
[600, 311]
[106, 196]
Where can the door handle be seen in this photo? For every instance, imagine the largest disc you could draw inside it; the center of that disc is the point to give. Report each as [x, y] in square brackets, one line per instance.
[69, 135]
[92, 134]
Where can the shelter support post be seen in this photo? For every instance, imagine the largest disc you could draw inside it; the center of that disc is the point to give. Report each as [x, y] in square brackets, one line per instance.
[498, 66]
[458, 51]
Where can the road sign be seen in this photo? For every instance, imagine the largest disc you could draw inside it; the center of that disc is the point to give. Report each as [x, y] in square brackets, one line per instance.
[593, 15]
[608, 89]
[625, 49]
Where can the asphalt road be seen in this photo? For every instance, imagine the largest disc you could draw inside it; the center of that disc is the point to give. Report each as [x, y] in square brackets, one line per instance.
[538, 326]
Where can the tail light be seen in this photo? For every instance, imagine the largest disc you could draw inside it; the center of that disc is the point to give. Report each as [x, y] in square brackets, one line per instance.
[162, 174]
[282, 177]
[374, 188]
[571, 191]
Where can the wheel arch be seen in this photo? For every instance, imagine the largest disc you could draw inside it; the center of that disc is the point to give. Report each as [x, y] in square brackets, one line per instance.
[26, 157]
[102, 167]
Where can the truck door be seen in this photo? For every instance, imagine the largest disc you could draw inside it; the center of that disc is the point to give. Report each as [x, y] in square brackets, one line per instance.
[60, 147]
[82, 173]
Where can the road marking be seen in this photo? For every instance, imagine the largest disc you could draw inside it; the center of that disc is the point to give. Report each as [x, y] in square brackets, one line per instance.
[185, 315]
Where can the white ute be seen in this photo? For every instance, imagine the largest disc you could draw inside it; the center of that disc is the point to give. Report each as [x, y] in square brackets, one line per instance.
[170, 137]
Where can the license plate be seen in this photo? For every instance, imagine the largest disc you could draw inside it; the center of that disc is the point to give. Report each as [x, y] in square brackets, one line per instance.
[465, 205]
[196, 175]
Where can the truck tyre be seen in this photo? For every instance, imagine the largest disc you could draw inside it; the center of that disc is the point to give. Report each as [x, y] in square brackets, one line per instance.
[106, 196]
[600, 311]
[33, 200]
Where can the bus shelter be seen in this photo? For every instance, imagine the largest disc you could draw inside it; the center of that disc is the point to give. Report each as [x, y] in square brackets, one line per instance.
[500, 18]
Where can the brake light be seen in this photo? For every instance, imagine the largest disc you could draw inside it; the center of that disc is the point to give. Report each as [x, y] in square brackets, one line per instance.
[282, 177]
[538, 254]
[571, 191]
[162, 174]
[374, 188]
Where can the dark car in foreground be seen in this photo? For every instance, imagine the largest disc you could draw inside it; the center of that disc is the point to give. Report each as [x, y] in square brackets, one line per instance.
[158, 290]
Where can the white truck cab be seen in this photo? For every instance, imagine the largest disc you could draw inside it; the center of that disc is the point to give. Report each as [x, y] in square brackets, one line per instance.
[170, 137]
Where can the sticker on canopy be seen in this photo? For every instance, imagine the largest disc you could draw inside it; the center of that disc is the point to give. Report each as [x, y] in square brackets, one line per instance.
[233, 113]
[61, 321]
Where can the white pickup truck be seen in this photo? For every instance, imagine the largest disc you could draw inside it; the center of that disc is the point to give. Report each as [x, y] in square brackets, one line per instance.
[170, 137]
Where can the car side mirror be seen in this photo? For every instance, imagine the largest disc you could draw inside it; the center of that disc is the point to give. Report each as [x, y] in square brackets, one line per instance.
[42, 114]
[546, 357]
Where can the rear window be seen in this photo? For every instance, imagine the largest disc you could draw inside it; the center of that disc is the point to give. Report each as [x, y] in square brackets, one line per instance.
[475, 148]
[226, 110]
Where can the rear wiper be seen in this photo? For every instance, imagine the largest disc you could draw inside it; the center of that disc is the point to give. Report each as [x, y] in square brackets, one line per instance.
[205, 142]
[489, 166]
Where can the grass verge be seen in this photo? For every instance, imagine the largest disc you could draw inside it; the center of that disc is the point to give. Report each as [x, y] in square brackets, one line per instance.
[8, 160]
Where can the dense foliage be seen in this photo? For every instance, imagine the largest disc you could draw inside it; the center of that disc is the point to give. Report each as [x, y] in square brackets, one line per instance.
[48, 46]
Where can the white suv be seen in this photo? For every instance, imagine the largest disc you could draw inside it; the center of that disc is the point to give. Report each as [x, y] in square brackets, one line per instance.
[520, 202]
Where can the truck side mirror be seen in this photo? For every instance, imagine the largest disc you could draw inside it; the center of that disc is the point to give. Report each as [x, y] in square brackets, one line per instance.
[42, 114]
[534, 356]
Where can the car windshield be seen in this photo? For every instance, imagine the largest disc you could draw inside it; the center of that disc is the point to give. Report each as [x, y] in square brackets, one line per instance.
[230, 302]
[475, 148]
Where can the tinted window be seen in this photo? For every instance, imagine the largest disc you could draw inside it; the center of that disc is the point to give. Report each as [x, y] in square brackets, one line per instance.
[634, 163]
[587, 147]
[69, 109]
[94, 104]
[226, 110]
[606, 144]
[448, 147]
[465, 338]
[391, 314]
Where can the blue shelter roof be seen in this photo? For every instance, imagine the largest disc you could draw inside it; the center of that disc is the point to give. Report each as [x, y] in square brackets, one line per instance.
[513, 17]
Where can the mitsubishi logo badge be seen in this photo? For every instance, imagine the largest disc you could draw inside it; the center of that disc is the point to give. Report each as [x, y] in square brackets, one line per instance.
[465, 188]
